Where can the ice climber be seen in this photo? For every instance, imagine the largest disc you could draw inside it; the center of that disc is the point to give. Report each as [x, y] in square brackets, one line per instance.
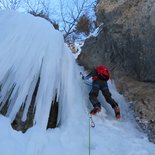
[100, 75]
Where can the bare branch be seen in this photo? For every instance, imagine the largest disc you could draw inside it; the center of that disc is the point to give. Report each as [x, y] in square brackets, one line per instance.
[71, 14]
[10, 4]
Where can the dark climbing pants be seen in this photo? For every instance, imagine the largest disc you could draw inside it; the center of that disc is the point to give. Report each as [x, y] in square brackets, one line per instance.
[103, 86]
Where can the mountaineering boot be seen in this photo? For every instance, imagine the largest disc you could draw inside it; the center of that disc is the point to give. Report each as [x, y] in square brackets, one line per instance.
[95, 110]
[117, 112]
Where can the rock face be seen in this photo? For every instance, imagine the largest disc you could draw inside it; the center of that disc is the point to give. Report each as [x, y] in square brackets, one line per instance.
[125, 44]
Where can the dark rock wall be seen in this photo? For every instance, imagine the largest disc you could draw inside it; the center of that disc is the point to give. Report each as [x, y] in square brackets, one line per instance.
[126, 39]
[126, 44]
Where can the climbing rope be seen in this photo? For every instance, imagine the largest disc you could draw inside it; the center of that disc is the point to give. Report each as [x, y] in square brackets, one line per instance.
[91, 124]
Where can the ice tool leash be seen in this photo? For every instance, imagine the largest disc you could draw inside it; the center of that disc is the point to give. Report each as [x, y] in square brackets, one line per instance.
[91, 124]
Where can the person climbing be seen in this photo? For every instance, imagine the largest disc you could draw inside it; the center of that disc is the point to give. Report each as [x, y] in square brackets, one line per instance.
[100, 75]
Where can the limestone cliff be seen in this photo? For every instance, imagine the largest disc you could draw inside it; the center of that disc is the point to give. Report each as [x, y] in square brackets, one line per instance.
[125, 44]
